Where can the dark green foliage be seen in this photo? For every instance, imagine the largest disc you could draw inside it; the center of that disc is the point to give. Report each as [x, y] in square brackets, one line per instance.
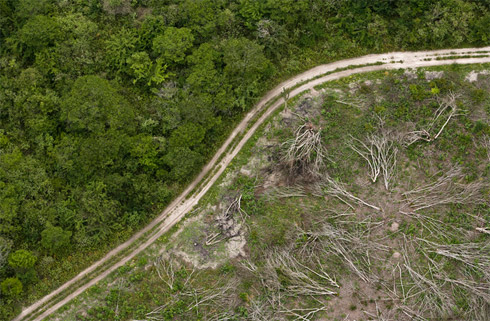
[11, 288]
[93, 106]
[55, 240]
[38, 33]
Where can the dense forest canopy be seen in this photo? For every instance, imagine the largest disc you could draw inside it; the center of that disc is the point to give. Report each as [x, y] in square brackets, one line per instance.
[108, 107]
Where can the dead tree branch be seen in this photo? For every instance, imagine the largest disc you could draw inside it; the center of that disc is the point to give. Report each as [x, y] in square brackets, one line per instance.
[303, 280]
[448, 108]
[338, 190]
[215, 296]
[447, 189]
[429, 288]
[356, 251]
[474, 255]
[379, 151]
[165, 270]
[485, 141]
[303, 314]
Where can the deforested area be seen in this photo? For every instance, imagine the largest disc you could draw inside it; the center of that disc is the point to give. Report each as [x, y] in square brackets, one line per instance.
[366, 200]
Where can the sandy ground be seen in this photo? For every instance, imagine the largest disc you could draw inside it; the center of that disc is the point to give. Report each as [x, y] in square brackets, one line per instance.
[187, 200]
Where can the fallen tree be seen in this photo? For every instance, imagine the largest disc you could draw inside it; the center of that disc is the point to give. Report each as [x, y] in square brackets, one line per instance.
[379, 151]
[449, 188]
[448, 108]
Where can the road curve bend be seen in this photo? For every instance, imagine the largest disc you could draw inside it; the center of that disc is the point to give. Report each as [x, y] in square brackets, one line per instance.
[181, 205]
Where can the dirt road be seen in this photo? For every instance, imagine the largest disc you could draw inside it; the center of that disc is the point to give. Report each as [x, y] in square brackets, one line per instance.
[211, 172]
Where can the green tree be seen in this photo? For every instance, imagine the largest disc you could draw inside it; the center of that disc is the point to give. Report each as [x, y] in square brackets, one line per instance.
[187, 135]
[173, 44]
[245, 61]
[55, 240]
[119, 47]
[93, 105]
[245, 65]
[182, 162]
[98, 211]
[5, 246]
[11, 288]
[207, 80]
[38, 33]
[22, 259]
[251, 11]
[145, 149]
[140, 65]
[142, 68]
[203, 71]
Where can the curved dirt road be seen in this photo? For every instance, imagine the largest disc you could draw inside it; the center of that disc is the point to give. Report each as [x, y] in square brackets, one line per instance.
[211, 172]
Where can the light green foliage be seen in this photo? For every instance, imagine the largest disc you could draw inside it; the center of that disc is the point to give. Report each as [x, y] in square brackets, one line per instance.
[22, 260]
[145, 149]
[55, 240]
[159, 74]
[120, 46]
[452, 21]
[252, 12]
[173, 44]
[142, 68]
[203, 71]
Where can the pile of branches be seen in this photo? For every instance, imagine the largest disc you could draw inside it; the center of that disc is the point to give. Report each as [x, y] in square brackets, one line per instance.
[285, 276]
[334, 188]
[355, 250]
[305, 153]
